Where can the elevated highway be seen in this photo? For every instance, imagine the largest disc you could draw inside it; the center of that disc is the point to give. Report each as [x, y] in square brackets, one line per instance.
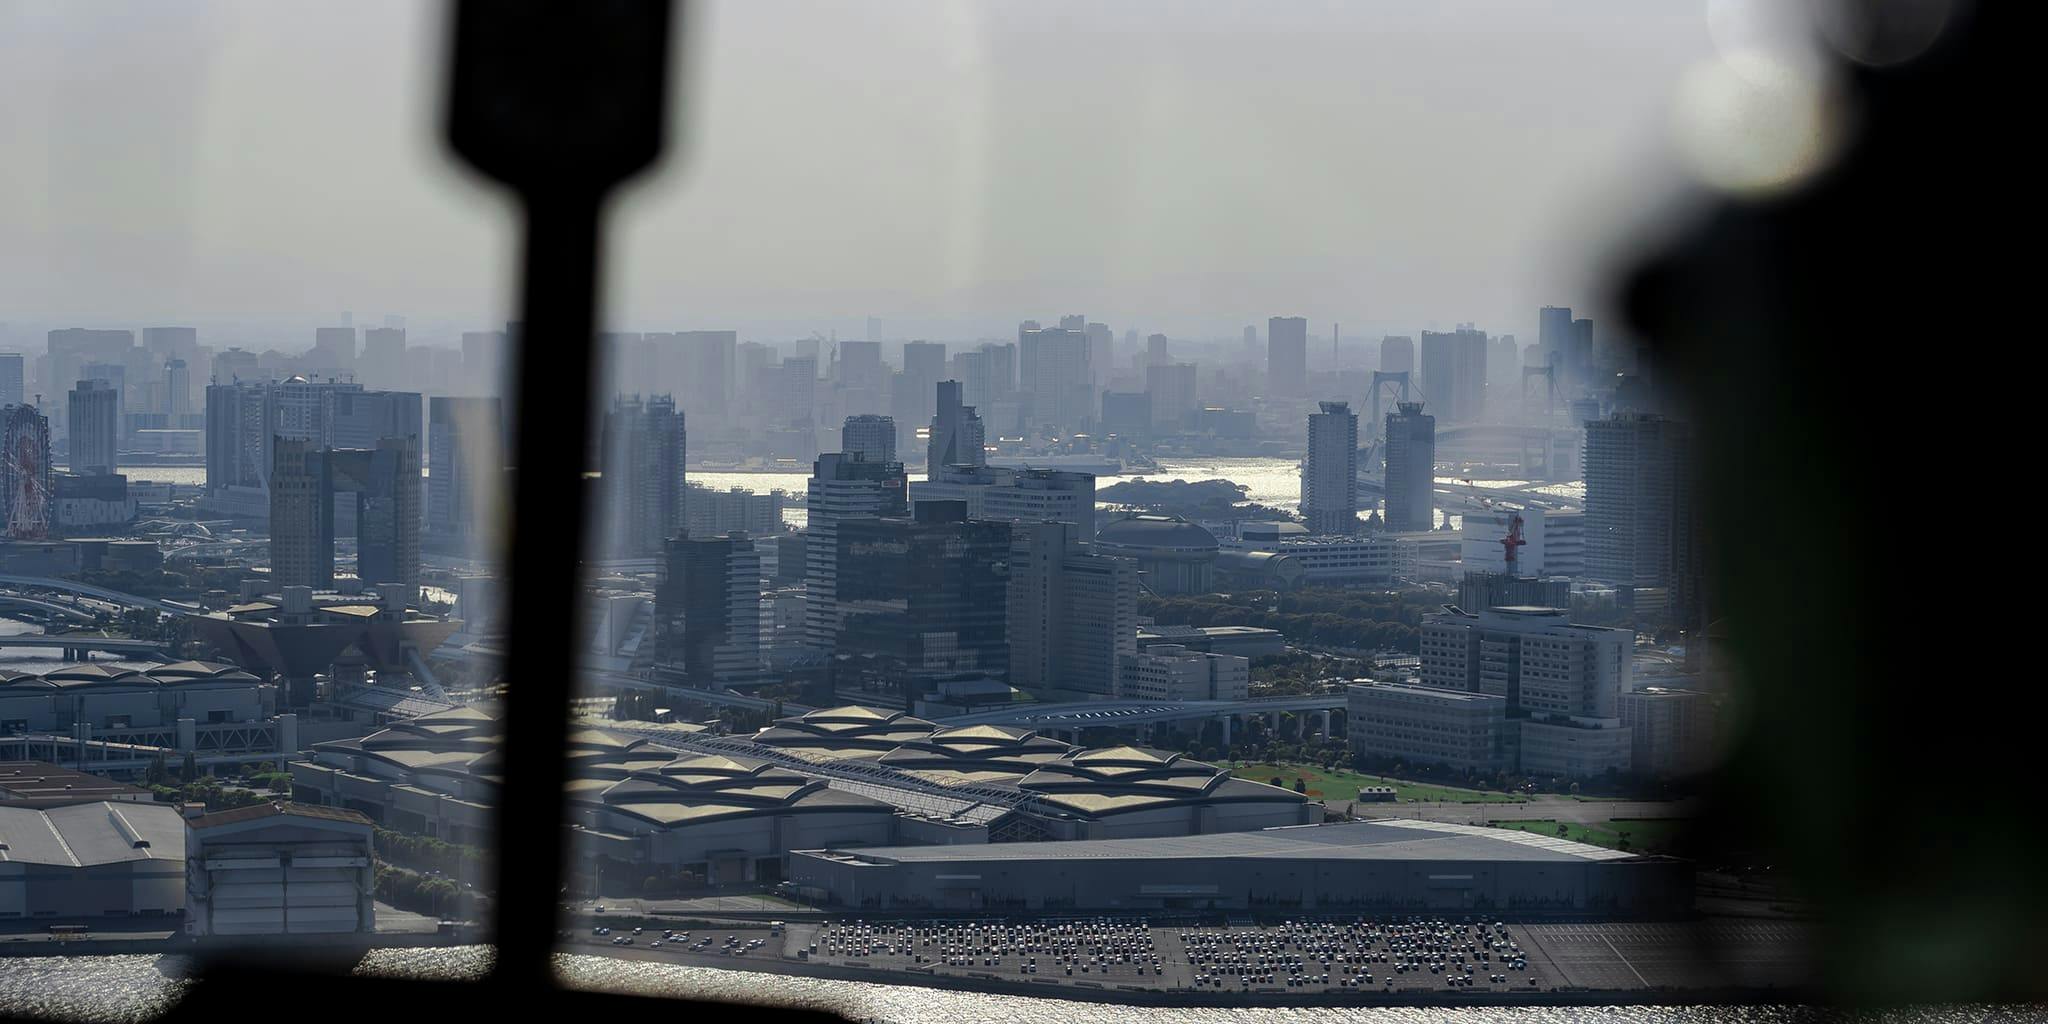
[51, 583]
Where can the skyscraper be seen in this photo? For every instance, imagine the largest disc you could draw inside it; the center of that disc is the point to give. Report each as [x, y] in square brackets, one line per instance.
[869, 437]
[1287, 356]
[1454, 374]
[1411, 468]
[381, 488]
[842, 486]
[1636, 507]
[1073, 616]
[1329, 475]
[333, 353]
[12, 384]
[1397, 354]
[1060, 386]
[957, 436]
[177, 388]
[706, 360]
[924, 594]
[95, 427]
[359, 419]
[1172, 387]
[1155, 350]
[1101, 354]
[644, 479]
[465, 469]
[707, 607]
[924, 365]
[383, 359]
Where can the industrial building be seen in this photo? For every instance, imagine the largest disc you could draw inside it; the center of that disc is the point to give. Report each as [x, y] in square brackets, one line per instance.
[96, 860]
[280, 869]
[1379, 866]
[173, 700]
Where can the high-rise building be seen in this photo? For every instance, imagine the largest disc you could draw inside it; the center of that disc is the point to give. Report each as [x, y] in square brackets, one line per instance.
[1454, 374]
[1155, 350]
[352, 418]
[912, 400]
[1060, 385]
[1563, 680]
[382, 364]
[1073, 616]
[177, 388]
[645, 448]
[924, 595]
[1016, 495]
[333, 353]
[869, 437]
[1287, 356]
[1553, 336]
[1172, 387]
[843, 486]
[95, 427]
[12, 384]
[483, 360]
[1101, 353]
[71, 348]
[465, 469]
[1002, 372]
[957, 437]
[1479, 590]
[1397, 354]
[233, 365]
[860, 367]
[27, 496]
[1127, 415]
[241, 421]
[1638, 513]
[707, 608]
[381, 488]
[1329, 475]
[1411, 469]
[708, 372]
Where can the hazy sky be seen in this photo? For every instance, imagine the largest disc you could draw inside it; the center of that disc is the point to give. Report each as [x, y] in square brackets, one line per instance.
[947, 165]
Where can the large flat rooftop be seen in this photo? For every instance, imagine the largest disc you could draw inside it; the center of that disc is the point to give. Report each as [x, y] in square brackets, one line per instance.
[1384, 840]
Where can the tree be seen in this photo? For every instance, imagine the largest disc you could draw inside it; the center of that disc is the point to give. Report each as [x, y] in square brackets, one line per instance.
[1300, 784]
[191, 772]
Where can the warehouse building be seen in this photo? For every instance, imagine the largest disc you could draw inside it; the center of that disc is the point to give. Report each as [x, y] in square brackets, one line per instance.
[1378, 866]
[280, 869]
[91, 861]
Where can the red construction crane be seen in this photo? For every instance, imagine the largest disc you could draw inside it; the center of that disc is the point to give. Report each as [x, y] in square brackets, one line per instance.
[1513, 541]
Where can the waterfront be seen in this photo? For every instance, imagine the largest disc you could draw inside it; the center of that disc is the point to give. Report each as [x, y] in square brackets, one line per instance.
[118, 989]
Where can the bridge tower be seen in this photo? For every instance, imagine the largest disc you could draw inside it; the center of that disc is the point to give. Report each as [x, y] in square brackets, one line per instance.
[1384, 382]
[1549, 375]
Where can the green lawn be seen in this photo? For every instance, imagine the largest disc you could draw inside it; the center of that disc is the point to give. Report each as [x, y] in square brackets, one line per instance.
[1339, 785]
[1644, 834]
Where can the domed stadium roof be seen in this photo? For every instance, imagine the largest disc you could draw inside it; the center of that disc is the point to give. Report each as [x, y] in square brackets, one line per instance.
[1155, 534]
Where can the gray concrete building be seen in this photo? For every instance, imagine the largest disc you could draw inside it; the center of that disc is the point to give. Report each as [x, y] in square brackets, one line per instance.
[99, 861]
[280, 869]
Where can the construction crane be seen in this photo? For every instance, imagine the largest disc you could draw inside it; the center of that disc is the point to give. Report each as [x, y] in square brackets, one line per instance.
[1512, 542]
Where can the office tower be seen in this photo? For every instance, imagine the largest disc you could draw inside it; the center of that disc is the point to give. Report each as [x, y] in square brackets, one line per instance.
[711, 513]
[240, 418]
[796, 397]
[924, 594]
[1329, 475]
[1015, 495]
[381, 488]
[1411, 469]
[1504, 371]
[302, 407]
[465, 470]
[333, 353]
[1127, 415]
[1073, 615]
[172, 342]
[644, 481]
[707, 607]
[1101, 353]
[957, 436]
[1061, 386]
[1287, 356]
[351, 418]
[1251, 337]
[234, 365]
[383, 359]
[1480, 590]
[71, 348]
[707, 359]
[1155, 350]
[94, 420]
[1454, 374]
[842, 486]
[1002, 371]
[1171, 672]
[301, 542]
[1636, 500]
[483, 360]
[1562, 682]
[860, 366]
[971, 370]
[1397, 354]
[869, 437]
[1579, 353]
[177, 388]
[13, 386]
[911, 398]
[1172, 387]
[26, 494]
[1554, 340]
